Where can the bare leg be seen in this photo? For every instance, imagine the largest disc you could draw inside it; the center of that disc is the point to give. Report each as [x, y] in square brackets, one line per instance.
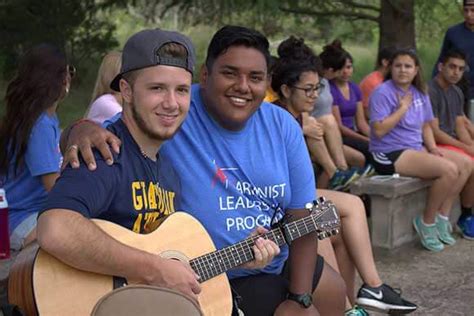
[346, 266]
[325, 249]
[354, 157]
[467, 194]
[330, 293]
[323, 181]
[355, 233]
[30, 238]
[464, 165]
[319, 153]
[333, 139]
[427, 166]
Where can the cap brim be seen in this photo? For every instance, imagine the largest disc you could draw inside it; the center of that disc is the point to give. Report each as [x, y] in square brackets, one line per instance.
[115, 84]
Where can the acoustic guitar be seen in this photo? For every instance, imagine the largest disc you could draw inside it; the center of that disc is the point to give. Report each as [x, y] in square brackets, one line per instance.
[40, 284]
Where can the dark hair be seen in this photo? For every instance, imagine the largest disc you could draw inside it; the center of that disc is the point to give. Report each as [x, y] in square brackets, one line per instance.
[467, 2]
[384, 53]
[453, 53]
[295, 58]
[418, 81]
[38, 84]
[232, 35]
[168, 50]
[334, 56]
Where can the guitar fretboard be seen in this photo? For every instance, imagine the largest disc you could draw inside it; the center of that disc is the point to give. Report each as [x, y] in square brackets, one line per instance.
[220, 261]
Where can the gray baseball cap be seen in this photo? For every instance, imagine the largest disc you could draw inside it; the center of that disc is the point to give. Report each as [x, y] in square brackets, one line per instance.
[141, 51]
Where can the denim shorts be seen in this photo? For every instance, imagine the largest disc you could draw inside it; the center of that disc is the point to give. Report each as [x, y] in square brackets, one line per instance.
[18, 236]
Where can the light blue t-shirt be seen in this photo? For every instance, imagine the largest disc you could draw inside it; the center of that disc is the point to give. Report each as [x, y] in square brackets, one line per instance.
[230, 180]
[25, 192]
[408, 133]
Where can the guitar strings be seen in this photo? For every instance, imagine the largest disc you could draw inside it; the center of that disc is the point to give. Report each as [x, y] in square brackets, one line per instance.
[243, 250]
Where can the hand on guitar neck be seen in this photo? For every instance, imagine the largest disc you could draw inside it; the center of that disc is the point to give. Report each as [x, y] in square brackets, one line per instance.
[264, 251]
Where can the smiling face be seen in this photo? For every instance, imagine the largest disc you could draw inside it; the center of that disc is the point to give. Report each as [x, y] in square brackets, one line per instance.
[403, 70]
[235, 86]
[157, 101]
[296, 98]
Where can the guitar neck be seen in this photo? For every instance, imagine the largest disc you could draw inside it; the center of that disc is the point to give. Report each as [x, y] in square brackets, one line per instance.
[220, 261]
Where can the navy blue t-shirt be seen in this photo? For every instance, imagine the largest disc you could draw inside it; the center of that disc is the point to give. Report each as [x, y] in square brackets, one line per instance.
[134, 192]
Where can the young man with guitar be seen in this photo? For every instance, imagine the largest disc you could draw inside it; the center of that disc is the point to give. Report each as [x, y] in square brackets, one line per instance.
[242, 163]
[140, 188]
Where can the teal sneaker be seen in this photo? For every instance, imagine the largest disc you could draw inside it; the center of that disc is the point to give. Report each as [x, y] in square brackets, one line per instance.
[444, 231]
[356, 311]
[428, 235]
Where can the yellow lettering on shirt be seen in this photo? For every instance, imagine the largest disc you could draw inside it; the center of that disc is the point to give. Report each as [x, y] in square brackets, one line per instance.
[137, 199]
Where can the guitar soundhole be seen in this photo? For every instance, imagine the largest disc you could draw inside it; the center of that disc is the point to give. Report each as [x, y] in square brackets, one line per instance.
[174, 255]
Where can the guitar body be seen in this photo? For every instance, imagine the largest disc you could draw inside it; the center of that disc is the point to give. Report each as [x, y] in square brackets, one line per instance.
[42, 285]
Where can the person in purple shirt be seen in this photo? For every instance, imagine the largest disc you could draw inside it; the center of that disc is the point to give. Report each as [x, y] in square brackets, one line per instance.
[402, 141]
[347, 105]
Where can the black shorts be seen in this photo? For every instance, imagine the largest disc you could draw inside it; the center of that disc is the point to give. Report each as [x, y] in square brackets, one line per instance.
[384, 163]
[261, 294]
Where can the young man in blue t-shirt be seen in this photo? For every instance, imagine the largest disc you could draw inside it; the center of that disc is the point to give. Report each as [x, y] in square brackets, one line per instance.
[238, 159]
[155, 83]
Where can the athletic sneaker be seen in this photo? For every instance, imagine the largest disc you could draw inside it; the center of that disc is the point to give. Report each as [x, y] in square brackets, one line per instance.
[342, 178]
[466, 226]
[428, 235]
[356, 311]
[384, 299]
[445, 230]
[367, 171]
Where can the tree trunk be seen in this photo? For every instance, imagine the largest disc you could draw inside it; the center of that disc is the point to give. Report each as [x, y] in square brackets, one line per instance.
[397, 23]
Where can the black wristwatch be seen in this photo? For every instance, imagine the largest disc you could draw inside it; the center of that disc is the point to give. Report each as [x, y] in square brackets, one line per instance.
[304, 300]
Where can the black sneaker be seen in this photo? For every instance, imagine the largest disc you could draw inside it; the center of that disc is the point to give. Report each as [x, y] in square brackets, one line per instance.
[384, 299]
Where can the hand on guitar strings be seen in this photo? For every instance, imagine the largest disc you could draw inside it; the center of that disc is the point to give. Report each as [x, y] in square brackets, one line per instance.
[264, 251]
[174, 274]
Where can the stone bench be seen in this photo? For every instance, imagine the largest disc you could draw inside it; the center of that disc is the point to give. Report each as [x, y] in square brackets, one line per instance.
[394, 203]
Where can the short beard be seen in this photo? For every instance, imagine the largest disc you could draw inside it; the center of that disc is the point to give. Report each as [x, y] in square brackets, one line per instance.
[142, 125]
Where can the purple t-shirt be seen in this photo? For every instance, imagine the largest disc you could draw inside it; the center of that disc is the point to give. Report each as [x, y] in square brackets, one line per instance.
[407, 134]
[347, 108]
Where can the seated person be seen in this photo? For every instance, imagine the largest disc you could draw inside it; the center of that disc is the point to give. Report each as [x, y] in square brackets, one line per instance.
[449, 127]
[376, 77]
[156, 93]
[295, 73]
[105, 102]
[30, 159]
[347, 107]
[402, 142]
[230, 146]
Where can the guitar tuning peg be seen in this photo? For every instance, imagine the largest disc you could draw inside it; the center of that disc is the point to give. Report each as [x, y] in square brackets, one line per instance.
[309, 206]
[321, 199]
[335, 231]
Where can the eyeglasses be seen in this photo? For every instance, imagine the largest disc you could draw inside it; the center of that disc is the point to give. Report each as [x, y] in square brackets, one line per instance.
[71, 71]
[311, 91]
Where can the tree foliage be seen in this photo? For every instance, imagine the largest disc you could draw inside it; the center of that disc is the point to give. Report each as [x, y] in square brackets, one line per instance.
[72, 25]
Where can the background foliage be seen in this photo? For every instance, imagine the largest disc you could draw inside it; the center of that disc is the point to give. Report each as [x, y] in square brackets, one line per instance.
[86, 29]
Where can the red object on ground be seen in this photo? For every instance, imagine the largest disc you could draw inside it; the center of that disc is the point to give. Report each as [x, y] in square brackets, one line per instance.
[4, 235]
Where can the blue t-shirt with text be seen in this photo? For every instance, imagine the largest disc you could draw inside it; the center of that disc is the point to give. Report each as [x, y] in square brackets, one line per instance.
[233, 180]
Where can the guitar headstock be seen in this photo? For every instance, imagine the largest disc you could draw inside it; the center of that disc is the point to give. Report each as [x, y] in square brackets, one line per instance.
[326, 218]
